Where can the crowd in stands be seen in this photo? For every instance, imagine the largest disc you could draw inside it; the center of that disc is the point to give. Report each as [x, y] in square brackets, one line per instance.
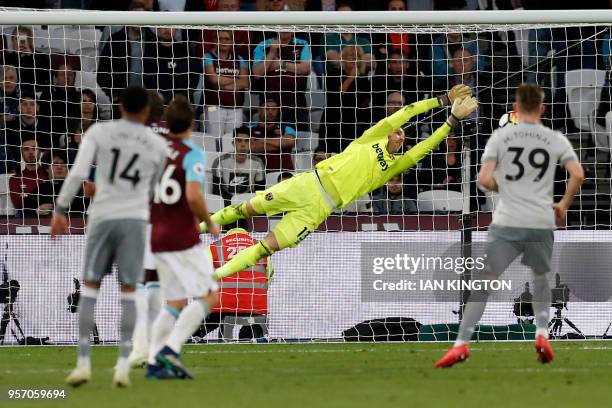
[254, 91]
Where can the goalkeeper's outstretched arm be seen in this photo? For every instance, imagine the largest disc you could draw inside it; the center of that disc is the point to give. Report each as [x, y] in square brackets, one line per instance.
[396, 120]
[461, 109]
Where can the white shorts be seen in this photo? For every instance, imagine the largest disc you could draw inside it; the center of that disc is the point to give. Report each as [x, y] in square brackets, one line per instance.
[148, 261]
[185, 274]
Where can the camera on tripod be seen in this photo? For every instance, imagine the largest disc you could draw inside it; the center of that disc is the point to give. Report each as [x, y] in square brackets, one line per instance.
[523, 306]
[8, 289]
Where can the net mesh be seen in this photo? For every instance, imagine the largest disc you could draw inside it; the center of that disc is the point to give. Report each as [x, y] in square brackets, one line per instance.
[292, 107]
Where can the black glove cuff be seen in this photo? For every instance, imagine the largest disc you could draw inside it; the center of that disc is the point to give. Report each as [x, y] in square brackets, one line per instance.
[452, 120]
[444, 100]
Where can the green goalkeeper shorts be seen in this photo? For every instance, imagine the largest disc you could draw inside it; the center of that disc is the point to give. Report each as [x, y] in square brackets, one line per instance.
[301, 200]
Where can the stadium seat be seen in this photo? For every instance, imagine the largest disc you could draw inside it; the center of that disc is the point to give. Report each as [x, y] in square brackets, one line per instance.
[583, 88]
[306, 141]
[608, 130]
[239, 198]
[272, 178]
[6, 206]
[227, 142]
[198, 139]
[302, 161]
[440, 201]
[214, 203]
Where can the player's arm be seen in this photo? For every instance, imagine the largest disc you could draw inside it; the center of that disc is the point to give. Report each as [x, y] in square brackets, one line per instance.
[462, 108]
[79, 172]
[194, 165]
[486, 176]
[197, 204]
[576, 173]
[395, 121]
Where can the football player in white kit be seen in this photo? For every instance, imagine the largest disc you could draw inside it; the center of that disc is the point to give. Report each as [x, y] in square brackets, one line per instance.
[519, 162]
[129, 160]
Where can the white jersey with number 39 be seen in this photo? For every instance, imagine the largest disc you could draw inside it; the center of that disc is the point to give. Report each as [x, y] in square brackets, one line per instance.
[526, 156]
[129, 158]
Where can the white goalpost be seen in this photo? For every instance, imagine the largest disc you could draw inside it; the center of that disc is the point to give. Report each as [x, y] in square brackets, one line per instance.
[266, 113]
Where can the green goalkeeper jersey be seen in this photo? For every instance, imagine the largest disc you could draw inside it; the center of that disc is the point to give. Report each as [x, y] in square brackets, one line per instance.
[366, 165]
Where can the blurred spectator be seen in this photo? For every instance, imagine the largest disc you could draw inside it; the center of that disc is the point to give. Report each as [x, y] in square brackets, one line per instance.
[463, 65]
[42, 200]
[34, 68]
[120, 61]
[74, 139]
[29, 125]
[390, 199]
[225, 84]
[169, 67]
[335, 43]
[10, 93]
[320, 5]
[282, 64]
[384, 43]
[398, 75]
[271, 139]
[272, 5]
[62, 103]
[442, 169]
[25, 182]
[89, 108]
[319, 155]
[241, 41]
[395, 101]
[238, 172]
[442, 51]
[348, 94]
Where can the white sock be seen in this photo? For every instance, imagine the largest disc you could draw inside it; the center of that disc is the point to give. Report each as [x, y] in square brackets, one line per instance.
[541, 331]
[84, 362]
[154, 304]
[122, 364]
[188, 322]
[140, 339]
[161, 330]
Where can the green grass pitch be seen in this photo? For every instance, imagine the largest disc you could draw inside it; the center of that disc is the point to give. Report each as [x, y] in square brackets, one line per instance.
[330, 375]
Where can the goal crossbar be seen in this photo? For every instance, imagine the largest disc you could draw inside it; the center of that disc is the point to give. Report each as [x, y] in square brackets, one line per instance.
[523, 17]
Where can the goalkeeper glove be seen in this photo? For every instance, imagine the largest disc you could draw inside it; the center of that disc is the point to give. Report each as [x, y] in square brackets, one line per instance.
[462, 108]
[457, 92]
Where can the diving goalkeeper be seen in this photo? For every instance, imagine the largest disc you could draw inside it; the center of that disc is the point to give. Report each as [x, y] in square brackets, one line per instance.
[366, 164]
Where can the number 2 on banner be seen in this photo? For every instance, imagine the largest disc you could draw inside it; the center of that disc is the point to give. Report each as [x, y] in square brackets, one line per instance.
[233, 251]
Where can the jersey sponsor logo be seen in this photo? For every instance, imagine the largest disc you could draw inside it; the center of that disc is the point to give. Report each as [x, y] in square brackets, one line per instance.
[238, 181]
[380, 156]
[269, 197]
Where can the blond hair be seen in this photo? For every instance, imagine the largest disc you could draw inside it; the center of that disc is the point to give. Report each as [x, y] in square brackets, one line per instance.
[358, 53]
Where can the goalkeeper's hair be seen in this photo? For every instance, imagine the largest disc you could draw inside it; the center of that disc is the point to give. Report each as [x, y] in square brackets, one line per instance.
[529, 97]
[134, 99]
[179, 115]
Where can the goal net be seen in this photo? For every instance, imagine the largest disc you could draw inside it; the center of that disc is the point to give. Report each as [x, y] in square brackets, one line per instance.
[272, 100]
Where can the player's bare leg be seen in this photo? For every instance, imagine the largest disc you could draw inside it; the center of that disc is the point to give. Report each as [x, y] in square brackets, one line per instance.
[168, 338]
[82, 373]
